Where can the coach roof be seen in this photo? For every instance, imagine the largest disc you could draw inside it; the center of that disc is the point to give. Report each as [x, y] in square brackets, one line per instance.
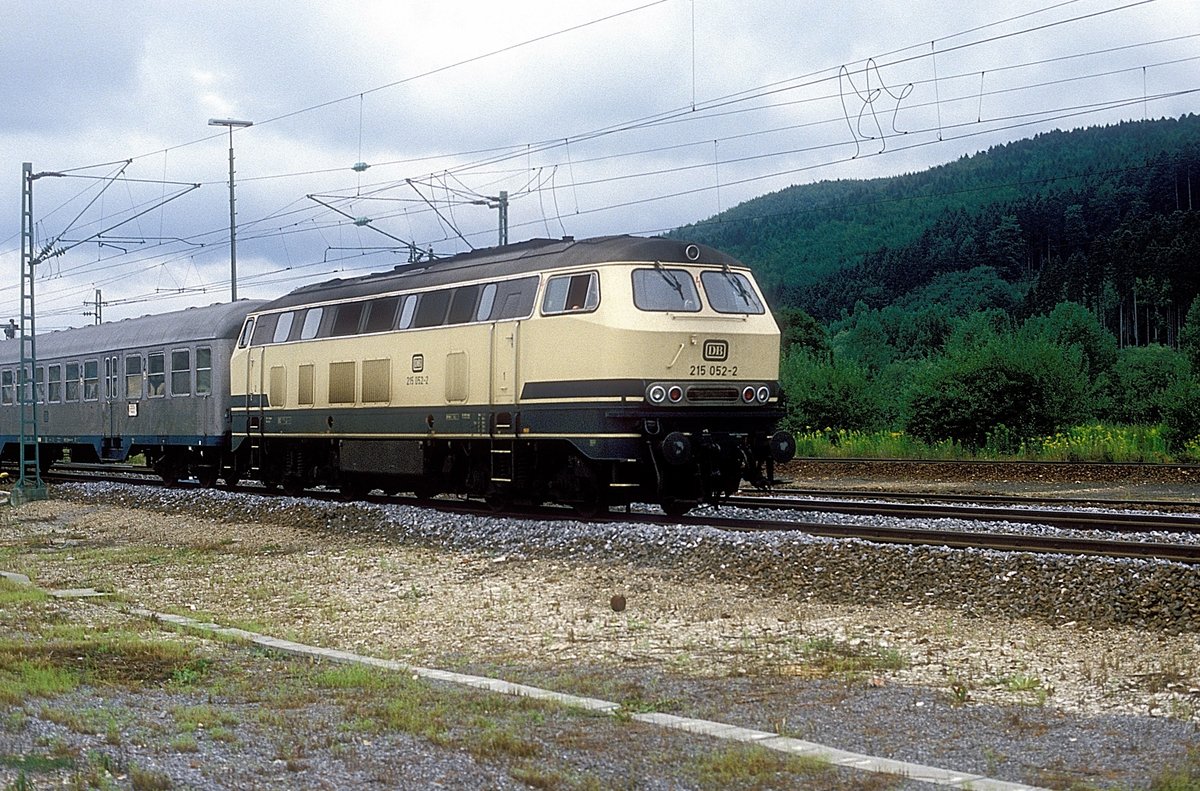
[535, 255]
[178, 328]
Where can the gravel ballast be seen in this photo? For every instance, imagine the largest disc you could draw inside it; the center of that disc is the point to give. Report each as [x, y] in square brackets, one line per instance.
[1047, 670]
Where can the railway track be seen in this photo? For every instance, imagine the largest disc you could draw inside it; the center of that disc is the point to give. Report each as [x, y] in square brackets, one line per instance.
[966, 507]
[916, 531]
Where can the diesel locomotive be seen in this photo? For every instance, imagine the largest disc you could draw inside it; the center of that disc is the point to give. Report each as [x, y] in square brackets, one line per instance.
[591, 372]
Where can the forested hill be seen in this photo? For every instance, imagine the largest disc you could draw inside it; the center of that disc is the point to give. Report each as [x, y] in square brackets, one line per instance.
[1099, 216]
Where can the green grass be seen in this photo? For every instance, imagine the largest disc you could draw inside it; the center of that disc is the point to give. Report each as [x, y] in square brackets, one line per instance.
[1089, 443]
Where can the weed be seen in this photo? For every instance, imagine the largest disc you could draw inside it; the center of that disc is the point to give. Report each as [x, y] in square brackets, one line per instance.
[194, 718]
[147, 779]
[36, 764]
[838, 657]
[742, 765]
[185, 743]
[497, 743]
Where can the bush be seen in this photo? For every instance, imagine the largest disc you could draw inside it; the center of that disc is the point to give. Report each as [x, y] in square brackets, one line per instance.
[1141, 379]
[1181, 418]
[1006, 390]
[824, 393]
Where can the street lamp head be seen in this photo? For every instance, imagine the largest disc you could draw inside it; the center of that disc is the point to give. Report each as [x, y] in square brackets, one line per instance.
[230, 122]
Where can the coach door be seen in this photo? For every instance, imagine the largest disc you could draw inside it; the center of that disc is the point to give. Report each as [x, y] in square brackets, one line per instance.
[114, 407]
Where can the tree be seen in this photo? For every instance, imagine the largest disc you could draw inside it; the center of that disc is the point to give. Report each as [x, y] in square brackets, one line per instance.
[801, 331]
[1005, 249]
[1189, 336]
[1070, 324]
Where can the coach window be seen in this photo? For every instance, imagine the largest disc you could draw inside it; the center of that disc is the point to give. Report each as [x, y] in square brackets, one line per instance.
[203, 370]
[730, 292]
[133, 377]
[156, 375]
[7, 391]
[91, 380]
[54, 384]
[181, 372]
[665, 289]
[247, 332]
[572, 294]
[73, 382]
[283, 326]
[312, 323]
[381, 314]
[462, 304]
[39, 384]
[347, 318]
[407, 310]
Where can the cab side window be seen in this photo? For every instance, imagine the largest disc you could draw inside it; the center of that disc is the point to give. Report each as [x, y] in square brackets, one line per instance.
[571, 294]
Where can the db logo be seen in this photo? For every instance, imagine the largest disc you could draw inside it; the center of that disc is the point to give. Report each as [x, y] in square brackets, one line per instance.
[716, 351]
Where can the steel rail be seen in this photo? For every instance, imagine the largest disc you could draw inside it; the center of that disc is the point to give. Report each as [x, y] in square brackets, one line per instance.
[959, 539]
[1075, 520]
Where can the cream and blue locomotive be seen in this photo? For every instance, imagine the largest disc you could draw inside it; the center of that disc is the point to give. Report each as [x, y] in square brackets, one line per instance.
[590, 372]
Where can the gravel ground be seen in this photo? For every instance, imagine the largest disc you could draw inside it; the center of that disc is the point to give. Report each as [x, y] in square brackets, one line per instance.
[1050, 671]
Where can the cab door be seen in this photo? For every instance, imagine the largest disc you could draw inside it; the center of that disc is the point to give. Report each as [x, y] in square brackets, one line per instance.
[504, 362]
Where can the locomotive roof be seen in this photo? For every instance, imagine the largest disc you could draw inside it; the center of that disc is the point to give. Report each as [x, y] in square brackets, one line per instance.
[534, 255]
[179, 327]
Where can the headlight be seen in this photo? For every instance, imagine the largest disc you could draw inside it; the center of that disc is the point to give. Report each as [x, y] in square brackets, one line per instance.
[657, 394]
[764, 394]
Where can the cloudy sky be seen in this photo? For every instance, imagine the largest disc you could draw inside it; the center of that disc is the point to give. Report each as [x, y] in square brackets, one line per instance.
[621, 116]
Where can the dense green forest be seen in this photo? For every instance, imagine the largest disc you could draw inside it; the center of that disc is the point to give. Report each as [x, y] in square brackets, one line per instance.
[1002, 297]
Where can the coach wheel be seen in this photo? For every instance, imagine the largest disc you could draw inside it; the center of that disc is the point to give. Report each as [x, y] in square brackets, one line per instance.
[168, 470]
[207, 475]
[293, 486]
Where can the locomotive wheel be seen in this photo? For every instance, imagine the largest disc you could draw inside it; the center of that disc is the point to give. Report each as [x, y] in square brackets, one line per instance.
[293, 486]
[675, 508]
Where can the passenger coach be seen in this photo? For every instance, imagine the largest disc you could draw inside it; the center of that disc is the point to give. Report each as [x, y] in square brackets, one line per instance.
[157, 385]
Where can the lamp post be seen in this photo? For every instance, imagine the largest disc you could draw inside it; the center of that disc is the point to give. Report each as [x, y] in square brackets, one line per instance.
[231, 123]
